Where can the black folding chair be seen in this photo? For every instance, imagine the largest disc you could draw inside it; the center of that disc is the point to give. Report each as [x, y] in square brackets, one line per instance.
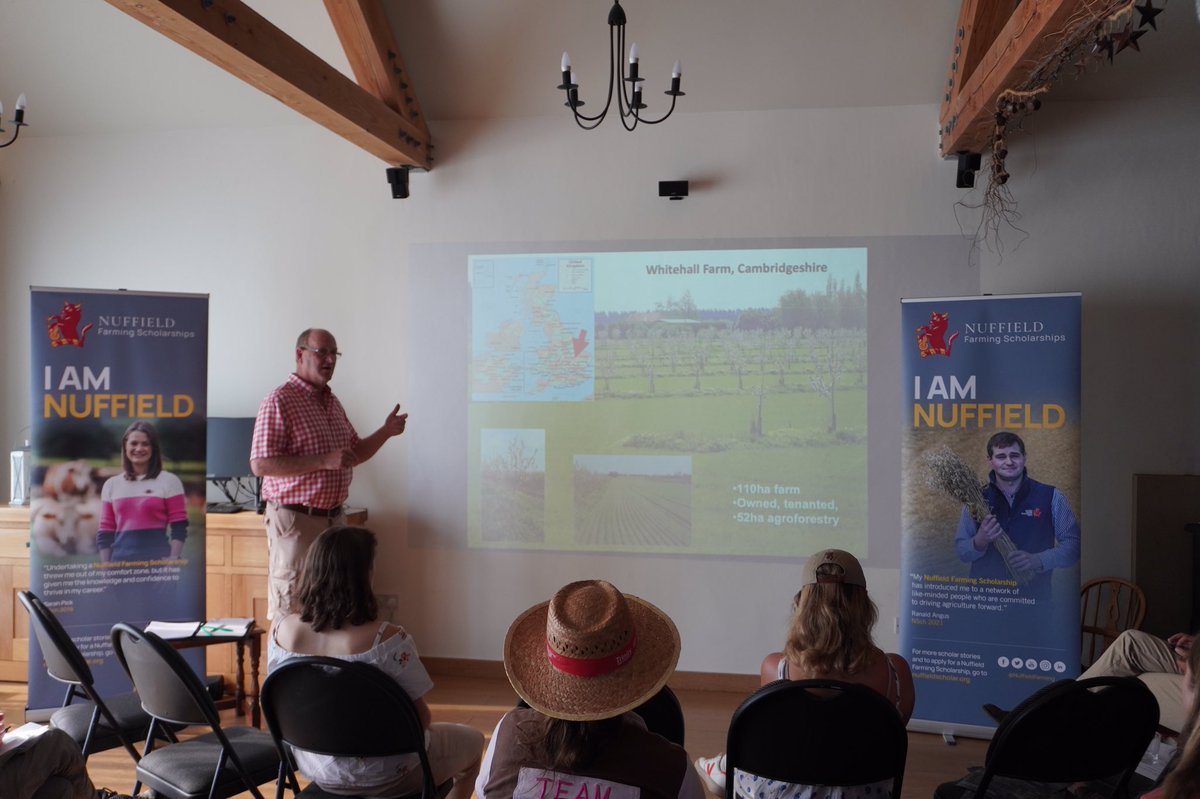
[661, 713]
[1070, 731]
[344, 709]
[817, 732]
[216, 765]
[97, 724]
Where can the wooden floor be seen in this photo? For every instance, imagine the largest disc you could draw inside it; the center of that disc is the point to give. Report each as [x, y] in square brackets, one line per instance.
[481, 702]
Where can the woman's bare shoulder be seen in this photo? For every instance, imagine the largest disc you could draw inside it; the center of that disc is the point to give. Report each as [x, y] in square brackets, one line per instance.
[387, 631]
[768, 672]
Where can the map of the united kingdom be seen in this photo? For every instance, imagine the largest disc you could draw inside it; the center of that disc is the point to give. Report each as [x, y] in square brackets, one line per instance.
[532, 326]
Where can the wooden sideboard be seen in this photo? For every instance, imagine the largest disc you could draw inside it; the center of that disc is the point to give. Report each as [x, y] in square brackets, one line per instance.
[236, 582]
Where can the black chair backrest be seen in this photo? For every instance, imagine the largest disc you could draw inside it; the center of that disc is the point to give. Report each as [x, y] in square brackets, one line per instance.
[167, 686]
[662, 713]
[64, 661]
[339, 707]
[1075, 730]
[817, 732]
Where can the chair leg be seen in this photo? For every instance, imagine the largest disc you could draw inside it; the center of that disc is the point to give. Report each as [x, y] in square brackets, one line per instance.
[87, 736]
[112, 722]
[147, 747]
[241, 770]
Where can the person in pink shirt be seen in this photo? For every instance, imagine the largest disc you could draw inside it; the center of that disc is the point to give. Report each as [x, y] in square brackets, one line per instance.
[143, 510]
[305, 449]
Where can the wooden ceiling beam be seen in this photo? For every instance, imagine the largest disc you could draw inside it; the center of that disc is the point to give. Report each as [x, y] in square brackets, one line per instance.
[976, 81]
[366, 36]
[236, 38]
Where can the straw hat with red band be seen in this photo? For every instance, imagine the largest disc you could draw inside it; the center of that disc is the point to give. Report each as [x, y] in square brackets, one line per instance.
[590, 653]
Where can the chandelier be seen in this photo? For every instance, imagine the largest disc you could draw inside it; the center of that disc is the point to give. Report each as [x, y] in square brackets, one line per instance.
[629, 99]
[18, 120]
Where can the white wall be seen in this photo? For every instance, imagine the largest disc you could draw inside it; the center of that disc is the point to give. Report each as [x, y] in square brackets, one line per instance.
[290, 227]
[1108, 195]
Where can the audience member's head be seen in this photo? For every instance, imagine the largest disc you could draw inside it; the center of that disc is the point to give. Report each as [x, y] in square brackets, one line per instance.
[335, 585]
[582, 660]
[1184, 780]
[831, 625]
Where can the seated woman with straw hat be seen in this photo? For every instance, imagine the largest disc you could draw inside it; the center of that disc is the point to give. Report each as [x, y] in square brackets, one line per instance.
[582, 661]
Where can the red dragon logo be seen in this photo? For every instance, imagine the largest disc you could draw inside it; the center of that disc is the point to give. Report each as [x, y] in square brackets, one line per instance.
[931, 338]
[63, 328]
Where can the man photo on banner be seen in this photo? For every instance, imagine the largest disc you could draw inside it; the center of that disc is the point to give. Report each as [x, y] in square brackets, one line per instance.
[1036, 517]
[306, 449]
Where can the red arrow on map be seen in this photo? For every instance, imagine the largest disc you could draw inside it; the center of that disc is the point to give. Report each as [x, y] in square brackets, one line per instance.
[580, 344]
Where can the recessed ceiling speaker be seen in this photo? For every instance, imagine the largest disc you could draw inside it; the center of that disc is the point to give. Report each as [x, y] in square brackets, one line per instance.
[674, 189]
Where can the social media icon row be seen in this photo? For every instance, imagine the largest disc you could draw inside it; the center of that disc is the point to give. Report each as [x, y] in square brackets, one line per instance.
[1031, 664]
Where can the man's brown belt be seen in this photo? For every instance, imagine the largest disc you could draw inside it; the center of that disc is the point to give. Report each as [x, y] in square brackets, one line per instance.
[331, 513]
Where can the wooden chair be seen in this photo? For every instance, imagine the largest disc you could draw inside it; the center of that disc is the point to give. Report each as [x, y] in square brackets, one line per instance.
[1107, 606]
[816, 732]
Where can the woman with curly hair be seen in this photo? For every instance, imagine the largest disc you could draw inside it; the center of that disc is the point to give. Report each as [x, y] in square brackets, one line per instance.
[829, 638]
[338, 617]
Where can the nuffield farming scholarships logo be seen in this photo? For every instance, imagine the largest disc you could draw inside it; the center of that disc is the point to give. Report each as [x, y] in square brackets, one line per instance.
[931, 338]
[63, 328]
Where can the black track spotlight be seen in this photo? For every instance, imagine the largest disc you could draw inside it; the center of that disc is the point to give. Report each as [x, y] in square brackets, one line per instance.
[397, 177]
[674, 189]
[968, 165]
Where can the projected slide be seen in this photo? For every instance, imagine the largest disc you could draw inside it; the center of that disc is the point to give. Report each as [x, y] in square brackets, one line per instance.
[691, 402]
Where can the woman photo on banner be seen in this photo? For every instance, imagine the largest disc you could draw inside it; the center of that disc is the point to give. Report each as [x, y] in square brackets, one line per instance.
[143, 509]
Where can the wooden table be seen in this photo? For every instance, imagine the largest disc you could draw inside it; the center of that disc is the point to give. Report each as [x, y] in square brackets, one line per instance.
[241, 696]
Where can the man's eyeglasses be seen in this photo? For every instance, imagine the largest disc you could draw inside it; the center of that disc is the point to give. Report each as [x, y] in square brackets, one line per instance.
[323, 353]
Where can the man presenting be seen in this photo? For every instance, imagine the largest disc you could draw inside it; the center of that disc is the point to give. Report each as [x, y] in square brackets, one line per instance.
[1036, 516]
[305, 449]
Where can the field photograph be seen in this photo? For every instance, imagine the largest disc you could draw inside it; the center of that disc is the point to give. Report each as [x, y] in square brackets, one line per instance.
[633, 500]
[513, 485]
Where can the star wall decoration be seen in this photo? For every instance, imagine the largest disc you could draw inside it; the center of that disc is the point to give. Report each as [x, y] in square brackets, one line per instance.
[1127, 37]
[1148, 12]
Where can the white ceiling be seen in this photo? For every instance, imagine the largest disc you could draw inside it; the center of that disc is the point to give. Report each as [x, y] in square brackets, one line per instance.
[88, 68]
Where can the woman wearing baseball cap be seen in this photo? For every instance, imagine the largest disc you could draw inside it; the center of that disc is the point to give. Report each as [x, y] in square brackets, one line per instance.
[829, 638]
[581, 662]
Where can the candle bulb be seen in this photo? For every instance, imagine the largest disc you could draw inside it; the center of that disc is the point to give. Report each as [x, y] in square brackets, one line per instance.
[19, 110]
[633, 53]
[675, 73]
[567, 78]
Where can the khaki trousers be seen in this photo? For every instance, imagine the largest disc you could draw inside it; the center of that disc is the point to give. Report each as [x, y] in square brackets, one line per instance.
[1151, 660]
[289, 535]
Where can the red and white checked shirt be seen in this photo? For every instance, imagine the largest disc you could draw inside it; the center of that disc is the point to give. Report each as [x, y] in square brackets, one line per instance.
[300, 419]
